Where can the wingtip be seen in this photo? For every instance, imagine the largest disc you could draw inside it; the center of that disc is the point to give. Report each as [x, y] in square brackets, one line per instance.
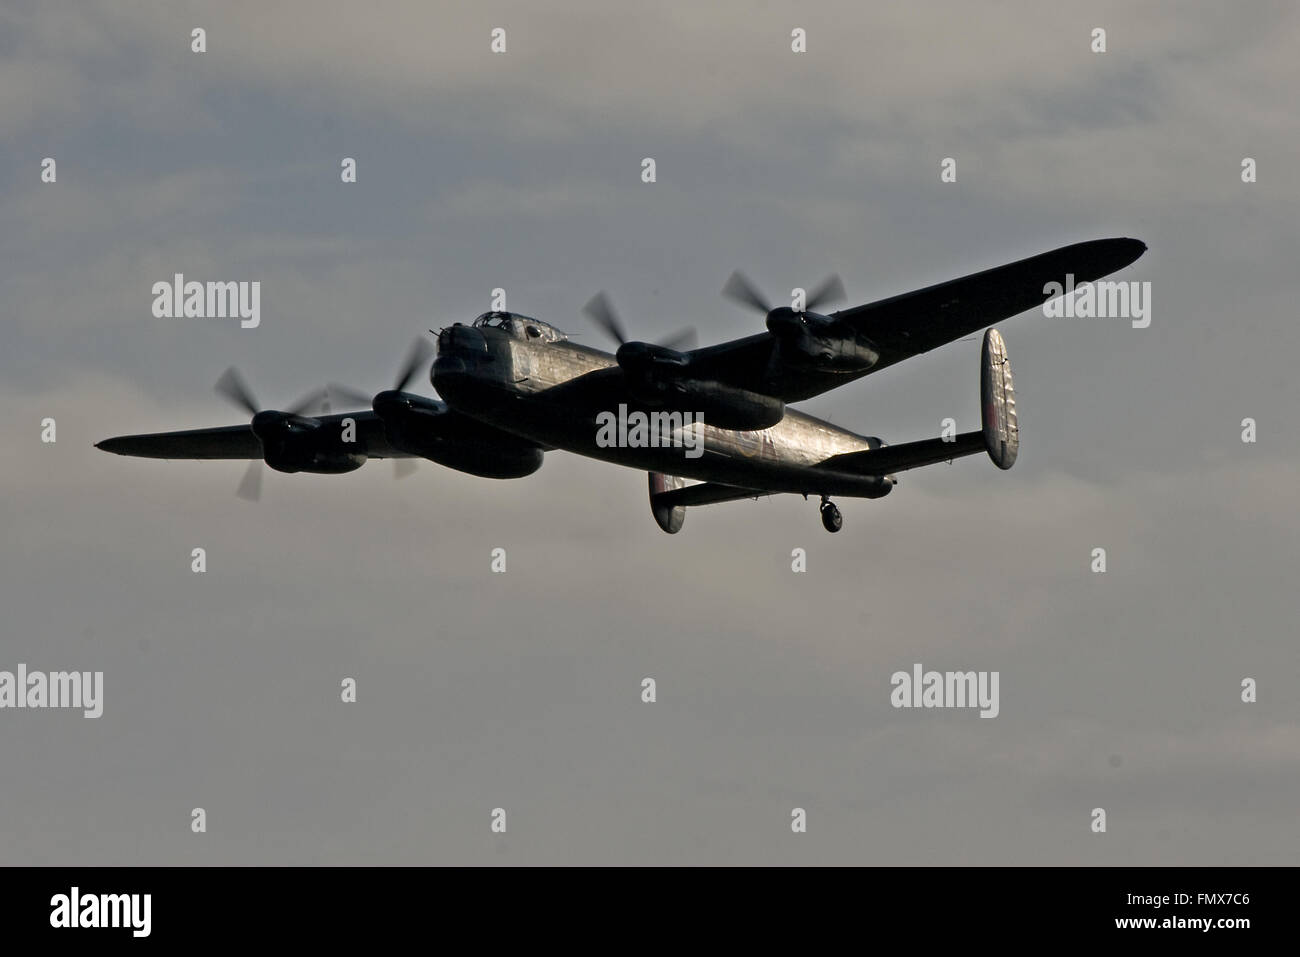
[1112, 253]
[1119, 251]
[1137, 249]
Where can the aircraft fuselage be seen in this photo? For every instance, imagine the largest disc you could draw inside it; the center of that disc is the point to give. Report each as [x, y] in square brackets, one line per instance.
[542, 387]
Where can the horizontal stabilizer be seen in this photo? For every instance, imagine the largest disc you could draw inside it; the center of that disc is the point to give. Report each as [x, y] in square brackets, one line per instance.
[909, 455]
[670, 496]
[706, 493]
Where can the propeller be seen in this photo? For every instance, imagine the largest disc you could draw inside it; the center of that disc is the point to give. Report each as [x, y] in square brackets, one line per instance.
[807, 339]
[601, 311]
[234, 387]
[414, 360]
[348, 397]
[250, 486]
[416, 356]
[741, 289]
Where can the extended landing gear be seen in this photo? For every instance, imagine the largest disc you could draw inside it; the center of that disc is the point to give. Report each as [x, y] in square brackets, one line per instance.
[832, 520]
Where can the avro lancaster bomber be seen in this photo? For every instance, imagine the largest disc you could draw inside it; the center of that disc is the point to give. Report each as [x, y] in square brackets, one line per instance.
[711, 424]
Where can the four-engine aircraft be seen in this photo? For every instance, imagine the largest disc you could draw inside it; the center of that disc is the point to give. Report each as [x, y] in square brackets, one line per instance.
[514, 387]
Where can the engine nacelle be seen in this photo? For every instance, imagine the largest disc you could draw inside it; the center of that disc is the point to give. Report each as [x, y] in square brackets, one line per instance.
[808, 341]
[296, 443]
[720, 405]
[427, 428]
[727, 407]
[661, 378]
[487, 461]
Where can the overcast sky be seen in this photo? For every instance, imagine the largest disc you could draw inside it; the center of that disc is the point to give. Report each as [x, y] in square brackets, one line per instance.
[523, 691]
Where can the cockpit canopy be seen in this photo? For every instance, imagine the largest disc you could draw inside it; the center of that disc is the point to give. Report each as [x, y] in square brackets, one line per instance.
[519, 326]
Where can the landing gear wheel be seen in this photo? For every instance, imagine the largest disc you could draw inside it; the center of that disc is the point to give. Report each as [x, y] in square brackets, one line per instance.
[832, 520]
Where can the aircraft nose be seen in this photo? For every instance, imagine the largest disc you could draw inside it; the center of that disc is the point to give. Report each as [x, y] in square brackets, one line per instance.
[460, 338]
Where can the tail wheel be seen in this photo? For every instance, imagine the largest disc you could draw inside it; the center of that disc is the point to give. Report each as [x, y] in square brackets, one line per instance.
[832, 520]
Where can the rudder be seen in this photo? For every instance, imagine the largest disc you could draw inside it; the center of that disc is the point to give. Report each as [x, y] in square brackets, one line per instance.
[998, 402]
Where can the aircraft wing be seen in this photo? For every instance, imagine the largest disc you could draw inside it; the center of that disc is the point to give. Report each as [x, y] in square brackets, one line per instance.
[239, 442]
[916, 322]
